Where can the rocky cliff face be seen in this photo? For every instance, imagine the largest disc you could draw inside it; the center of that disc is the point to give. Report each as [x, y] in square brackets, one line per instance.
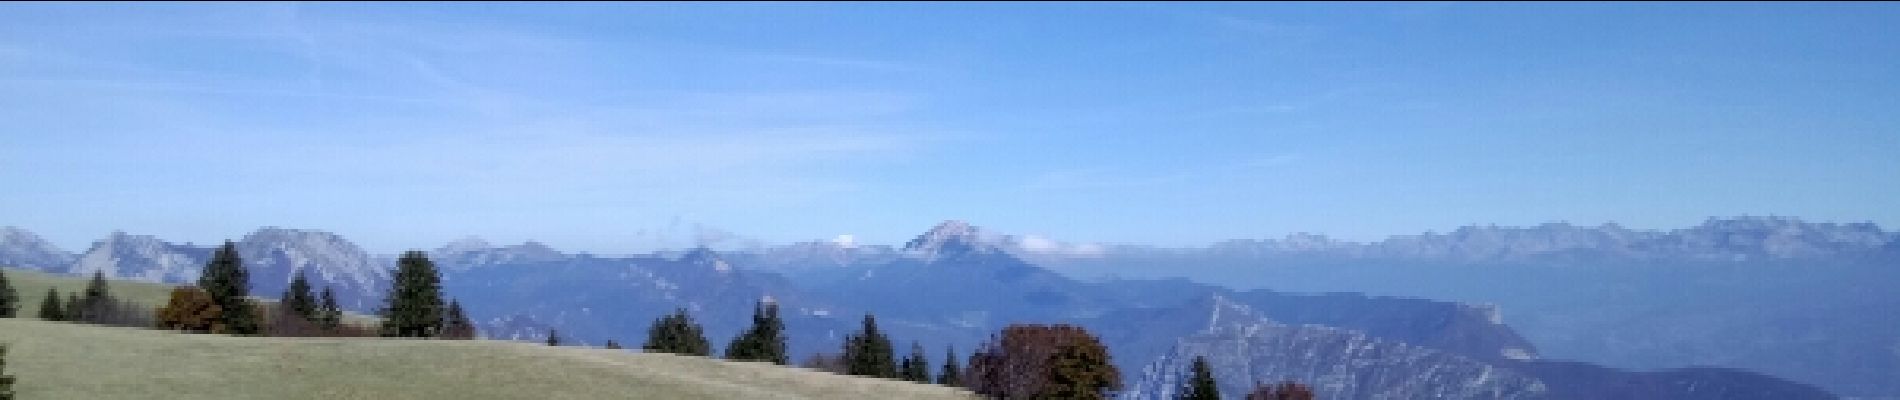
[273, 256]
[20, 248]
[1243, 348]
[1472, 330]
[471, 253]
[142, 257]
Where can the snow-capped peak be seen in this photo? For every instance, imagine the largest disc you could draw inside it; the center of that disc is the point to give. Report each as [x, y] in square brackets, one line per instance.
[947, 239]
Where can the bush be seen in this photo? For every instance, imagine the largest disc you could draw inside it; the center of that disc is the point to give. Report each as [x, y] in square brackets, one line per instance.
[1042, 361]
[190, 309]
[833, 363]
[1287, 390]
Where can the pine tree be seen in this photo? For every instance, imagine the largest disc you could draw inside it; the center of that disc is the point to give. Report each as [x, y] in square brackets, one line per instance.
[97, 301]
[9, 300]
[72, 311]
[49, 306]
[952, 374]
[868, 352]
[677, 333]
[298, 299]
[1201, 386]
[457, 325]
[6, 381]
[228, 283]
[415, 298]
[329, 315]
[554, 338]
[765, 341]
[916, 367]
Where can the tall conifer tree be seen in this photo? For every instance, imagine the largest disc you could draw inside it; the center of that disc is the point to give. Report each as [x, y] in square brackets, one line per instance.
[298, 299]
[49, 306]
[952, 374]
[764, 341]
[97, 300]
[329, 315]
[457, 325]
[72, 311]
[228, 283]
[868, 352]
[415, 298]
[9, 299]
[1201, 386]
[916, 368]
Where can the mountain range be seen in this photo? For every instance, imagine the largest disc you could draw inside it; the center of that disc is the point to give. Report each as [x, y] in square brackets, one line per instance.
[955, 284]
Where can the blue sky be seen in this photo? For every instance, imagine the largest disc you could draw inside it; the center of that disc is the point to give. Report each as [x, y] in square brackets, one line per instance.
[616, 128]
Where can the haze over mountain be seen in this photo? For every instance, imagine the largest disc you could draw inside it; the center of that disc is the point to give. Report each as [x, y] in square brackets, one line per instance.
[1472, 199]
[926, 291]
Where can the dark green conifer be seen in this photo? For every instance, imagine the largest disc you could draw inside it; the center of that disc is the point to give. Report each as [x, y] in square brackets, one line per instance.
[554, 338]
[329, 315]
[298, 299]
[678, 334]
[457, 325]
[952, 374]
[9, 300]
[868, 352]
[228, 283]
[415, 305]
[764, 341]
[72, 311]
[1201, 386]
[50, 309]
[915, 367]
[97, 301]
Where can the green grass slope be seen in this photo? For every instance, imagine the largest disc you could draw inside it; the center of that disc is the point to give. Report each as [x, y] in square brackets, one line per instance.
[31, 285]
[69, 361]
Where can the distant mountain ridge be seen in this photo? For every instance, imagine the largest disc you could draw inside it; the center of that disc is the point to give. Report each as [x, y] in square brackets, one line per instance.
[1244, 347]
[273, 255]
[21, 248]
[956, 283]
[1717, 239]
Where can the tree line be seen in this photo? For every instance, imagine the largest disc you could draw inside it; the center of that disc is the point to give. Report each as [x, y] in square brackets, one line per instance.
[1022, 361]
[220, 302]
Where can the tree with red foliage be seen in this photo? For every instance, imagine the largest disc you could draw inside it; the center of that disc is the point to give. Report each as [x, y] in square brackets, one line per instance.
[1043, 361]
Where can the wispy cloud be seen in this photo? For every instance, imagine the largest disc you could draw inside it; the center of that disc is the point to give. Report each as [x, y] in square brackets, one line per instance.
[388, 119]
